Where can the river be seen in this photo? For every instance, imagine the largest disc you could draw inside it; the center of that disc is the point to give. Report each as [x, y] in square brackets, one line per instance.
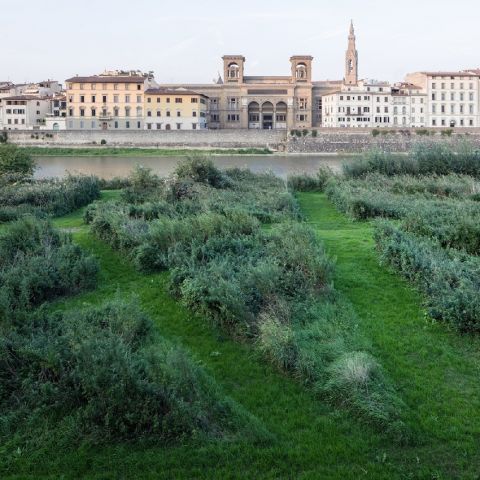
[119, 166]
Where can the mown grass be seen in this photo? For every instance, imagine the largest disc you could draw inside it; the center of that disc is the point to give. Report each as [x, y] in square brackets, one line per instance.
[436, 370]
[139, 151]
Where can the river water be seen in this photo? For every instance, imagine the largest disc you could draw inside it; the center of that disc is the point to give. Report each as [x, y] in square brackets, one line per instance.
[119, 166]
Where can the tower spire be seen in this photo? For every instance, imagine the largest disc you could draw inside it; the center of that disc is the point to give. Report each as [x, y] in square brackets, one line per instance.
[351, 59]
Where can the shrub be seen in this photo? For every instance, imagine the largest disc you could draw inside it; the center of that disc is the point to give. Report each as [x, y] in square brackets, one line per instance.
[106, 373]
[49, 197]
[314, 133]
[201, 169]
[14, 160]
[3, 137]
[375, 132]
[38, 264]
[103, 141]
[304, 132]
[310, 183]
[449, 279]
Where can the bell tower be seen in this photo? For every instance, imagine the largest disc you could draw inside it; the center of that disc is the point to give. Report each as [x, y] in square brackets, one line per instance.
[351, 59]
[233, 68]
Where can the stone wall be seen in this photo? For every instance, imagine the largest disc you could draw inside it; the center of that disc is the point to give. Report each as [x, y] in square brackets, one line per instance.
[326, 141]
[358, 142]
[152, 138]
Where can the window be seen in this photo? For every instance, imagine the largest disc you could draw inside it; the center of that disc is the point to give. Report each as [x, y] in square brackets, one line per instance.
[149, 113]
[93, 98]
[93, 112]
[158, 99]
[139, 86]
[149, 126]
[127, 112]
[94, 86]
[81, 124]
[70, 112]
[159, 113]
[116, 111]
[81, 86]
[168, 99]
[82, 112]
[194, 126]
[115, 86]
[232, 103]
[104, 98]
[127, 98]
[116, 124]
[127, 124]
[194, 100]
[159, 126]
[178, 100]
[139, 125]
[303, 102]
[82, 98]
[179, 114]
[194, 113]
[168, 113]
[139, 99]
[233, 117]
[179, 126]
[149, 100]
[93, 124]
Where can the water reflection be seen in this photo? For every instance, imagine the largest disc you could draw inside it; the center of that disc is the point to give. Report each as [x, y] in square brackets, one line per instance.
[119, 166]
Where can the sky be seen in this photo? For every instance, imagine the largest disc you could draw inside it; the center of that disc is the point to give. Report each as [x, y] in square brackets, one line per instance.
[183, 41]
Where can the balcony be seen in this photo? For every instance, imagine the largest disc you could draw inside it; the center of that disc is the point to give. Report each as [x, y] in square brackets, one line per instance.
[105, 116]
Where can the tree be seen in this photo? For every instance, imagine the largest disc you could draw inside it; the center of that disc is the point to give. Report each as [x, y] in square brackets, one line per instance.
[15, 161]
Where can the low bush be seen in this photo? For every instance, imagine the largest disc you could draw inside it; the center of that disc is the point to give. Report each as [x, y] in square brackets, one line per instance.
[102, 374]
[424, 159]
[48, 197]
[310, 183]
[37, 264]
[449, 279]
[14, 160]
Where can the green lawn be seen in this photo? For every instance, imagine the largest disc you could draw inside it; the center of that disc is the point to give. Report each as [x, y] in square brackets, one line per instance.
[140, 151]
[435, 370]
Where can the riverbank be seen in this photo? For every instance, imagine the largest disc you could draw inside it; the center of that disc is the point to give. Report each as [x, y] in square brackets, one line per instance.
[139, 151]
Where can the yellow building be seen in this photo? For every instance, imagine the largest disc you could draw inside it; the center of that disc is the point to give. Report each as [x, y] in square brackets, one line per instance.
[112, 100]
[175, 109]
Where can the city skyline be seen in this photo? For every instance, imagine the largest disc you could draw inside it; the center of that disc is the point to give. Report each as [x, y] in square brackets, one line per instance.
[186, 45]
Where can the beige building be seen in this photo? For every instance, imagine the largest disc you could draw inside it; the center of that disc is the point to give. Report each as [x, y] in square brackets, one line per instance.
[180, 109]
[112, 100]
[238, 100]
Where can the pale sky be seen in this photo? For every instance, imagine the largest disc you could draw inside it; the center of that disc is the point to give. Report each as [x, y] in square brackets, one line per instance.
[183, 41]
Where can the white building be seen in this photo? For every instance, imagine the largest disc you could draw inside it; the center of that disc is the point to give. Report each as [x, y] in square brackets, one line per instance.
[409, 106]
[452, 97]
[366, 104]
[24, 112]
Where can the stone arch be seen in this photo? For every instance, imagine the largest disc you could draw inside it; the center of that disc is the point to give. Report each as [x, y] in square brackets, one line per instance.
[168, 126]
[267, 115]
[253, 115]
[55, 126]
[301, 71]
[281, 115]
[233, 70]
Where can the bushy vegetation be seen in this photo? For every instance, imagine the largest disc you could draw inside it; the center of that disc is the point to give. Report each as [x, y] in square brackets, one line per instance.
[450, 279]
[37, 264]
[238, 255]
[310, 183]
[15, 161]
[103, 374]
[47, 197]
[424, 159]
[431, 193]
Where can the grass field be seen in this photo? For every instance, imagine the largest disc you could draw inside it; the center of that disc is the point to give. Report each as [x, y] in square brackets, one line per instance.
[139, 152]
[435, 370]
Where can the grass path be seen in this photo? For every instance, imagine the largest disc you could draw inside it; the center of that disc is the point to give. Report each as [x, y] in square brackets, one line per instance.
[437, 371]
